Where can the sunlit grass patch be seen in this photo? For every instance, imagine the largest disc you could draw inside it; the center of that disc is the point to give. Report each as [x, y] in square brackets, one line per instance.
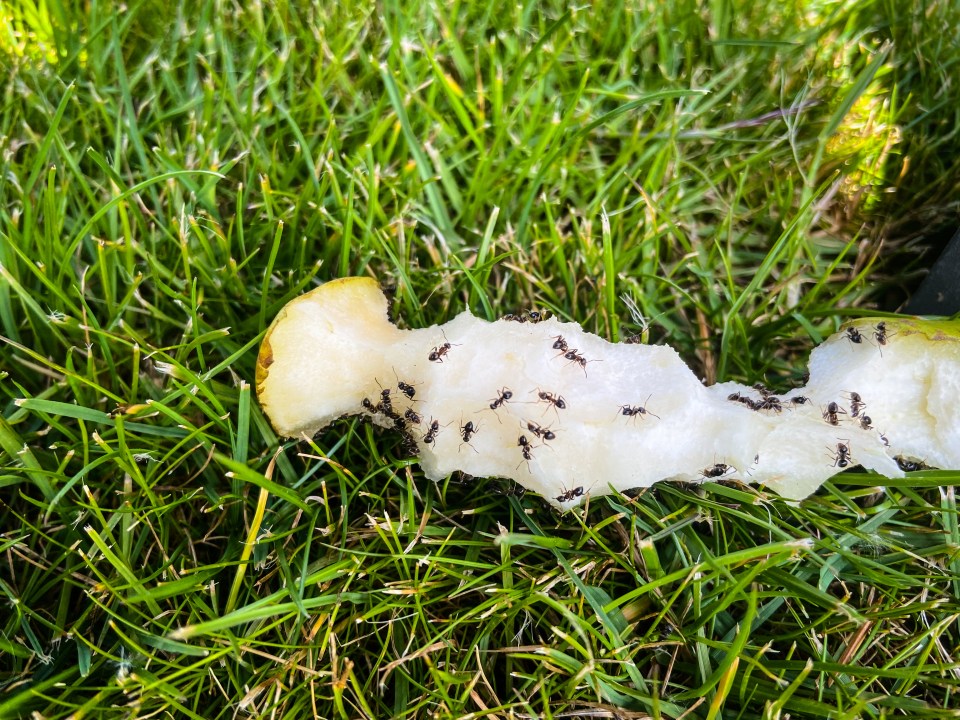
[172, 174]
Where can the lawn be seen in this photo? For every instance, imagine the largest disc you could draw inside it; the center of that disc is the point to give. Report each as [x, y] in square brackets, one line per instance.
[731, 178]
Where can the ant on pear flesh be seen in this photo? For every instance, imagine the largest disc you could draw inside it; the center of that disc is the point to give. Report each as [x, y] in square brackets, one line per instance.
[856, 404]
[717, 470]
[551, 399]
[854, 336]
[504, 396]
[525, 449]
[842, 458]
[439, 352]
[406, 388]
[637, 410]
[467, 431]
[540, 431]
[432, 431]
[830, 414]
[571, 494]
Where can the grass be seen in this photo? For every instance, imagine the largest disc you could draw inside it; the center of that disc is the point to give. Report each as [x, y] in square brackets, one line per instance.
[747, 174]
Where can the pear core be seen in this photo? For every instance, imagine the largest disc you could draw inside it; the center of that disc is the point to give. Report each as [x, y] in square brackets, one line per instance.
[568, 415]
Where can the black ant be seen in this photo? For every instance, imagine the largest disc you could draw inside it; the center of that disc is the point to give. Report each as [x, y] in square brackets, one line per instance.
[830, 414]
[717, 470]
[412, 416]
[570, 494]
[531, 316]
[431, 435]
[556, 400]
[368, 405]
[560, 344]
[799, 400]
[856, 404]
[909, 465]
[635, 410]
[769, 402]
[385, 405]
[406, 389]
[881, 333]
[748, 401]
[525, 449]
[633, 339]
[541, 432]
[842, 458]
[574, 356]
[854, 336]
[467, 431]
[505, 394]
[865, 422]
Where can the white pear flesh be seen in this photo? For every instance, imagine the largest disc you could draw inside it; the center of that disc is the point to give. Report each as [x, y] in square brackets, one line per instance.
[624, 417]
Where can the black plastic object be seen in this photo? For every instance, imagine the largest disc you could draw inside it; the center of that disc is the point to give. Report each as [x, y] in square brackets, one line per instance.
[939, 293]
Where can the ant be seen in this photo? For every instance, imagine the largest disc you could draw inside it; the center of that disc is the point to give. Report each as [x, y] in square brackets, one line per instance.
[368, 405]
[865, 422]
[438, 353]
[830, 414]
[909, 465]
[574, 356]
[854, 336]
[531, 316]
[406, 389]
[525, 449]
[842, 458]
[556, 400]
[769, 402]
[717, 470]
[541, 432]
[881, 333]
[560, 344]
[505, 395]
[634, 410]
[412, 416]
[571, 494]
[636, 339]
[799, 400]
[431, 435]
[856, 404]
[468, 431]
[385, 406]
[749, 402]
